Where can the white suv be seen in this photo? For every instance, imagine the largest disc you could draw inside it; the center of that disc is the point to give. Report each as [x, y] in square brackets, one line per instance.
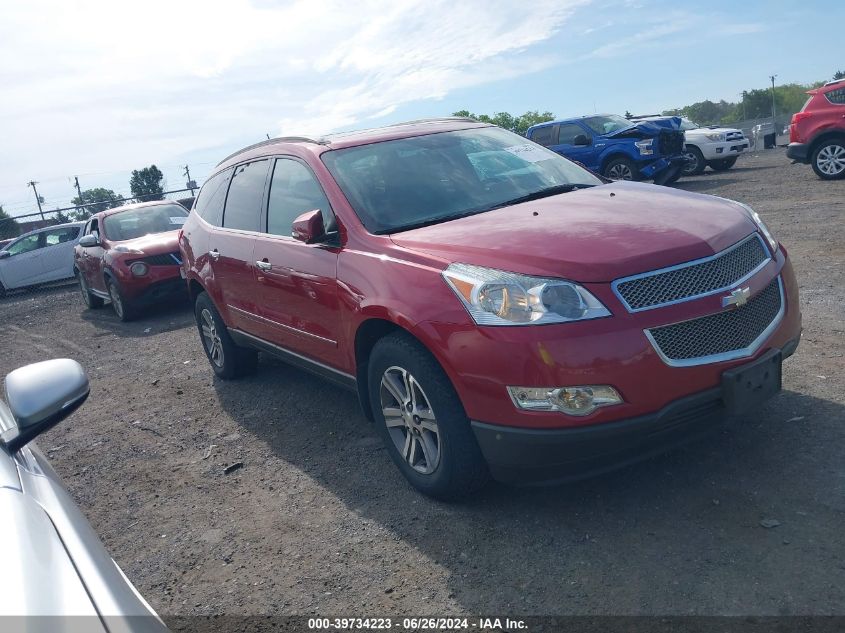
[717, 147]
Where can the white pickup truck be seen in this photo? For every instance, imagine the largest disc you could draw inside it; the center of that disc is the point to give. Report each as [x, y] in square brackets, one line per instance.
[714, 146]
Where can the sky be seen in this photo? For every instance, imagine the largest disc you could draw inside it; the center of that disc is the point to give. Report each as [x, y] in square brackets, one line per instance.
[96, 88]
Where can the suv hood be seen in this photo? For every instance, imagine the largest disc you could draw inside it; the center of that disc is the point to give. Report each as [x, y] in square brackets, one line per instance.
[154, 244]
[589, 235]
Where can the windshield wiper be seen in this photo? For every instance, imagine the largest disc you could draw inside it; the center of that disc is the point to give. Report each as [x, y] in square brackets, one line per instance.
[543, 193]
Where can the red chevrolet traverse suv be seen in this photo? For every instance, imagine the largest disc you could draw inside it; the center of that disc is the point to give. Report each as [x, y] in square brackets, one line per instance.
[817, 133]
[130, 256]
[497, 308]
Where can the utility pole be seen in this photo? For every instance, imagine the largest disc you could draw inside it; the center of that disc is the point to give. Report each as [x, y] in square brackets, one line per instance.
[744, 115]
[773, 77]
[38, 198]
[190, 184]
[78, 189]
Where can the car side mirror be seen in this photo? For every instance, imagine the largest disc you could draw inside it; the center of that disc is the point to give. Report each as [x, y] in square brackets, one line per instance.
[581, 139]
[41, 395]
[5, 254]
[87, 241]
[308, 227]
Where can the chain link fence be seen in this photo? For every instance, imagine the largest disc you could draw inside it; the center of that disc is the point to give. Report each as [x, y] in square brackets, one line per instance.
[36, 249]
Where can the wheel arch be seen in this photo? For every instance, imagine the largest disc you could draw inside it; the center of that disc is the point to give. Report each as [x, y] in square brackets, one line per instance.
[615, 153]
[822, 137]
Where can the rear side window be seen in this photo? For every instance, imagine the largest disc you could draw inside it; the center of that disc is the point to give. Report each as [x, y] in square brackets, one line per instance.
[544, 135]
[294, 190]
[209, 204]
[60, 236]
[243, 204]
[836, 96]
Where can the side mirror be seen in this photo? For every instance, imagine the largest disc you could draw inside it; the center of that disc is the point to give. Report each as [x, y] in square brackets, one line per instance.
[5, 254]
[308, 227]
[87, 241]
[40, 396]
[581, 139]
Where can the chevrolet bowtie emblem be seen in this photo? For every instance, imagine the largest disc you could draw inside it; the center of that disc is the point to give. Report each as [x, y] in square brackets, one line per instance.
[737, 298]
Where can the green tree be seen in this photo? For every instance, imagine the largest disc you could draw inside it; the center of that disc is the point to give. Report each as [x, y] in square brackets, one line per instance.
[147, 183]
[9, 227]
[518, 124]
[839, 74]
[98, 198]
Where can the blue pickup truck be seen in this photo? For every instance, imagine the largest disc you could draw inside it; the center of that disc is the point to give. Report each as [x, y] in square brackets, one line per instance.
[617, 148]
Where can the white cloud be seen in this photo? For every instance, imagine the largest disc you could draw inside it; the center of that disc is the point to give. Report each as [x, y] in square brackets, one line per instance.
[112, 85]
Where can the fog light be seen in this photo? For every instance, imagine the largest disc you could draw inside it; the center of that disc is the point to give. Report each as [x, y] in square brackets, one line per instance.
[581, 400]
[139, 269]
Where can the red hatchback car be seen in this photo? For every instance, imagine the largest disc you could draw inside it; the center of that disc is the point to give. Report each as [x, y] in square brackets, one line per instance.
[817, 133]
[130, 256]
[498, 309]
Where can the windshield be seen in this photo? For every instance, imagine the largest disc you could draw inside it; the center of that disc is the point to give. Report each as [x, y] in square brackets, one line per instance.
[607, 124]
[411, 182]
[133, 223]
[686, 125]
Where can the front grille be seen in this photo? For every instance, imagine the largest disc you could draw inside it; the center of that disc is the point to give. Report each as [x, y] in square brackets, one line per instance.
[693, 279]
[670, 142]
[732, 333]
[167, 259]
[734, 136]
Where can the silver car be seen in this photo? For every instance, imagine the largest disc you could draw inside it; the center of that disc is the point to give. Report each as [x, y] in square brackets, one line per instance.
[54, 564]
[39, 257]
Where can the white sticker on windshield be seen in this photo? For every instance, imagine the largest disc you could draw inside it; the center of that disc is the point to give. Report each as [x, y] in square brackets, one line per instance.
[529, 152]
[178, 221]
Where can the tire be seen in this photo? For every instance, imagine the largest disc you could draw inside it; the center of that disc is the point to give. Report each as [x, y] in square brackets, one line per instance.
[723, 164]
[227, 359]
[671, 180]
[442, 458]
[123, 308]
[696, 163]
[2, 290]
[91, 301]
[621, 168]
[828, 159]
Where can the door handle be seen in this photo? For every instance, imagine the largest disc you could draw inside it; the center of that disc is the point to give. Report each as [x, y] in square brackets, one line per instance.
[265, 266]
[214, 254]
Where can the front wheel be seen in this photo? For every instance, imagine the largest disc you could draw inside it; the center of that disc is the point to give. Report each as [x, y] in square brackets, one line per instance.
[421, 420]
[695, 164]
[723, 164]
[226, 358]
[90, 300]
[621, 168]
[829, 159]
[122, 307]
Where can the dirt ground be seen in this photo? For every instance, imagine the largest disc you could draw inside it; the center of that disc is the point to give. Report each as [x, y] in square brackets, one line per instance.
[319, 521]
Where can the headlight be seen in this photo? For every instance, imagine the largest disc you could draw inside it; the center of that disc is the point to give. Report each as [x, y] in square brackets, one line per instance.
[715, 136]
[773, 243]
[139, 269]
[645, 146]
[496, 297]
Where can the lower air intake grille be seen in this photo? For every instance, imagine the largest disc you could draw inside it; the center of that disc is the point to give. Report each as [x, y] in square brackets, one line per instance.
[733, 333]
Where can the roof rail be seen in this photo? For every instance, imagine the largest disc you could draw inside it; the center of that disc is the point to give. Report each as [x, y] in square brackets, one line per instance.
[439, 119]
[835, 81]
[279, 139]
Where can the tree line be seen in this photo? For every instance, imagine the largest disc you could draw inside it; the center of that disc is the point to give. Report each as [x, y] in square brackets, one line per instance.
[754, 104]
[145, 184]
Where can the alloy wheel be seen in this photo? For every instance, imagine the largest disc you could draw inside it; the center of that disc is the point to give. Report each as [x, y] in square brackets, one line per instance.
[116, 302]
[211, 338]
[831, 160]
[410, 420]
[691, 165]
[620, 171]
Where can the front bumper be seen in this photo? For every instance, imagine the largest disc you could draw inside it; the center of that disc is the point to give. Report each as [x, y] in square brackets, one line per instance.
[517, 455]
[798, 152]
[723, 149]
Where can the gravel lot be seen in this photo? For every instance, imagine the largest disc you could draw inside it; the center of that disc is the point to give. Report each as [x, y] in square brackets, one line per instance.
[319, 521]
